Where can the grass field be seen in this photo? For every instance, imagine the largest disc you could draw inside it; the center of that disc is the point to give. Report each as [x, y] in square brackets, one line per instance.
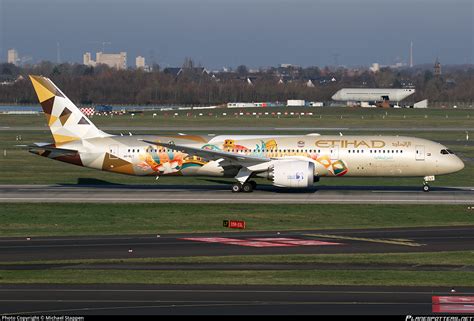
[289, 277]
[321, 117]
[455, 258]
[120, 219]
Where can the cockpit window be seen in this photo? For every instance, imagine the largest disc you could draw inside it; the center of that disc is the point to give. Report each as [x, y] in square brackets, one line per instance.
[446, 151]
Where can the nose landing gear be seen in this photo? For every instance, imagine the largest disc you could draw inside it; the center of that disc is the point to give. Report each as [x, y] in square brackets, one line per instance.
[426, 179]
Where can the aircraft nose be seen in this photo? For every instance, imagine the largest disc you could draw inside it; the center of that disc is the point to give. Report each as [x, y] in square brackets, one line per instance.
[336, 96]
[457, 164]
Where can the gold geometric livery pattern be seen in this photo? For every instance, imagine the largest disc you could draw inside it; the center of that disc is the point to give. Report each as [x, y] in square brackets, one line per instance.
[65, 120]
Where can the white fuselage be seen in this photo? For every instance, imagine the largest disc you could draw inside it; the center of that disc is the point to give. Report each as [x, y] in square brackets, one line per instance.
[372, 94]
[394, 156]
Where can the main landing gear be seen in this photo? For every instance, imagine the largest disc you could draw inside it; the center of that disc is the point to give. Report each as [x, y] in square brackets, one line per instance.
[243, 184]
[246, 187]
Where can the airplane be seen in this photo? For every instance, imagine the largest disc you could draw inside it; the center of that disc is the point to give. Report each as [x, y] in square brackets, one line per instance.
[289, 161]
[372, 94]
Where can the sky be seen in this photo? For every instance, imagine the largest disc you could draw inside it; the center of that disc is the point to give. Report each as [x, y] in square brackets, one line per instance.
[256, 33]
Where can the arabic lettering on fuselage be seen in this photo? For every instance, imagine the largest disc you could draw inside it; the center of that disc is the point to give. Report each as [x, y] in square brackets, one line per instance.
[344, 143]
[401, 144]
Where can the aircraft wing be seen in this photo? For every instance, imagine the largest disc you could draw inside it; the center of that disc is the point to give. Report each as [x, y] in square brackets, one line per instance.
[211, 154]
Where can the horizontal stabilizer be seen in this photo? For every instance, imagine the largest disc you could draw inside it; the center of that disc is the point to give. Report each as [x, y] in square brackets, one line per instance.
[51, 148]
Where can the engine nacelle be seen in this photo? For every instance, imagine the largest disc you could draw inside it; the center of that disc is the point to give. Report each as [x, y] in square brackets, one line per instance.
[292, 173]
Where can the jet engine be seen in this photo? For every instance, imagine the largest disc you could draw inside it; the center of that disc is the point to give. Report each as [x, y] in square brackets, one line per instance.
[292, 173]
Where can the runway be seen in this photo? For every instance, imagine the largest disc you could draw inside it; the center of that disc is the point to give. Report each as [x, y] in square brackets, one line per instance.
[265, 194]
[395, 240]
[223, 300]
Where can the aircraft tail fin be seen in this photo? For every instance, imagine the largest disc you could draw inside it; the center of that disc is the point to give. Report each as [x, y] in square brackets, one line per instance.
[66, 122]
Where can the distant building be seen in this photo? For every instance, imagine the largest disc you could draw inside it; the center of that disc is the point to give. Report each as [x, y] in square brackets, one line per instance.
[326, 80]
[13, 57]
[241, 105]
[140, 62]
[295, 102]
[87, 59]
[289, 66]
[437, 68]
[375, 67]
[118, 61]
[191, 72]
[9, 82]
[421, 104]
[174, 71]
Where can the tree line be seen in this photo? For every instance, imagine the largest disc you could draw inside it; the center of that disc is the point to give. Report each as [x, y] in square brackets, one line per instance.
[194, 86]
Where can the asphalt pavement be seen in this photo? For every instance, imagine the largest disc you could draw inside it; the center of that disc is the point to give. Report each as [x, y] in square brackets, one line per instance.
[396, 240]
[224, 300]
[264, 194]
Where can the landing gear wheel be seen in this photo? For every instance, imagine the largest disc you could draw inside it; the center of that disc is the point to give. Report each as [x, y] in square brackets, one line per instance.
[236, 187]
[254, 184]
[247, 187]
[426, 188]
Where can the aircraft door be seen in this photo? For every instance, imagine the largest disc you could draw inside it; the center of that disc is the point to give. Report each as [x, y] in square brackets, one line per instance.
[113, 151]
[420, 153]
[335, 152]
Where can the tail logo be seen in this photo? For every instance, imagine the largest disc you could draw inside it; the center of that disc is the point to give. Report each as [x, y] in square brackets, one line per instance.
[66, 121]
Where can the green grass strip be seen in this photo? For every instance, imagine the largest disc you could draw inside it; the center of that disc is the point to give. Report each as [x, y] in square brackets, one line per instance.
[464, 258]
[119, 219]
[290, 277]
